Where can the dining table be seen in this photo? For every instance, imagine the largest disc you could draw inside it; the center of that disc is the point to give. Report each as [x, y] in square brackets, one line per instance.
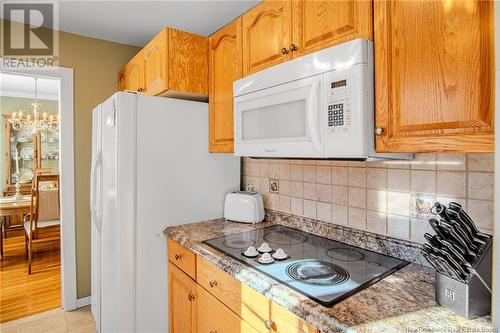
[10, 206]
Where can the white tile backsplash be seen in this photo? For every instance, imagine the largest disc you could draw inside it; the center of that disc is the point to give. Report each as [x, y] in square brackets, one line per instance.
[357, 197]
[376, 222]
[451, 184]
[339, 175]
[398, 226]
[357, 218]
[324, 192]
[481, 185]
[398, 180]
[323, 175]
[423, 181]
[324, 211]
[378, 196]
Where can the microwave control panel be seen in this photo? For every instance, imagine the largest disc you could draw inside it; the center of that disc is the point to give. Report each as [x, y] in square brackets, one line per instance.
[339, 107]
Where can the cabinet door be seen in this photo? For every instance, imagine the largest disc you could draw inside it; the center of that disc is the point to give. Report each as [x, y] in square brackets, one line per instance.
[182, 301]
[134, 73]
[155, 64]
[122, 83]
[267, 30]
[434, 76]
[188, 63]
[214, 316]
[225, 67]
[320, 24]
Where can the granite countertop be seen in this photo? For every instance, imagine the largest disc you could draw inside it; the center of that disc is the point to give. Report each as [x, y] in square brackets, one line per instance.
[401, 302]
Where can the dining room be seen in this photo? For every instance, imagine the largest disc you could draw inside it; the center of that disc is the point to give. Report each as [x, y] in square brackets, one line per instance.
[30, 228]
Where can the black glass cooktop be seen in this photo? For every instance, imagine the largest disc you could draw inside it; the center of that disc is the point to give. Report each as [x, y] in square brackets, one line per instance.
[325, 270]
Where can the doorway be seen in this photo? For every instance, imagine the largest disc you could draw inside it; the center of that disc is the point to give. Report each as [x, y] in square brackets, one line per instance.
[37, 149]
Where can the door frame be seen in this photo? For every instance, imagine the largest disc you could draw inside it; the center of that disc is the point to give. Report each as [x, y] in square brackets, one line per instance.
[67, 171]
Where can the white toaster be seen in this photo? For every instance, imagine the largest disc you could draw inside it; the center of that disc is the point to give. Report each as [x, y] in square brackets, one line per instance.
[246, 207]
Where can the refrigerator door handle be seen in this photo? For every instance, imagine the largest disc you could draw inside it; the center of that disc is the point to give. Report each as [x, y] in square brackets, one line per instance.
[94, 209]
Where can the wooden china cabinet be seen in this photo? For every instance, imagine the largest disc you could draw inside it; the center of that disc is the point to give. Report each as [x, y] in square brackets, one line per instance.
[36, 151]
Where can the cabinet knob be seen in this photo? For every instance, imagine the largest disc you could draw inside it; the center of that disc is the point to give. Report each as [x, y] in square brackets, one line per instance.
[293, 48]
[191, 297]
[284, 51]
[269, 324]
[212, 283]
[379, 131]
[178, 257]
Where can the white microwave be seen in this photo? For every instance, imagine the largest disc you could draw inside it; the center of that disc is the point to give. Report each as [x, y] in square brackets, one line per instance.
[317, 106]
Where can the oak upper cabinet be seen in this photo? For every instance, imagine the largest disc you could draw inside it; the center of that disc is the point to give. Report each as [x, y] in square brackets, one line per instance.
[155, 65]
[277, 31]
[434, 75]
[267, 34]
[320, 24]
[182, 300]
[224, 68]
[134, 73]
[173, 64]
[121, 80]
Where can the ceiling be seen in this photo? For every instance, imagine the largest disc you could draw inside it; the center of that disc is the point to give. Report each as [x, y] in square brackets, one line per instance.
[136, 22]
[13, 85]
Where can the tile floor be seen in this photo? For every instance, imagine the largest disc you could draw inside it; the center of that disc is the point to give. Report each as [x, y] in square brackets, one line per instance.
[53, 321]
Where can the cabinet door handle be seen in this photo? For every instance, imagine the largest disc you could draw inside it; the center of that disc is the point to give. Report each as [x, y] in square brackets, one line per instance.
[379, 131]
[284, 51]
[293, 48]
[269, 324]
[178, 257]
[212, 283]
[214, 331]
[191, 297]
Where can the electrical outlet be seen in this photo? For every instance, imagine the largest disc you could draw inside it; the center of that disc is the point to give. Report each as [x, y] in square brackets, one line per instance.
[250, 187]
[274, 186]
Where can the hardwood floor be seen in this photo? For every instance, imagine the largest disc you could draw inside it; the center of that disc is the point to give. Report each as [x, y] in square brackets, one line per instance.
[21, 294]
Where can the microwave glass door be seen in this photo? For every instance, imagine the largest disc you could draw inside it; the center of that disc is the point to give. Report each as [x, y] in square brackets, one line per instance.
[261, 123]
[281, 121]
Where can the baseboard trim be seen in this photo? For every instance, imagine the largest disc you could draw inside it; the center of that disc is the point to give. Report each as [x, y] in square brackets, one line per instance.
[81, 302]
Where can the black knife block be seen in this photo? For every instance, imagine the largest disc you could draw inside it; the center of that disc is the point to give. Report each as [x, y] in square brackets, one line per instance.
[471, 299]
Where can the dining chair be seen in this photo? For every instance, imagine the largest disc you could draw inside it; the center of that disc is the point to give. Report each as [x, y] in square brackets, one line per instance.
[42, 224]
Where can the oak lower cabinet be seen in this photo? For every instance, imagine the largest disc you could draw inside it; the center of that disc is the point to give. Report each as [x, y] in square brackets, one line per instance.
[173, 64]
[434, 76]
[224, 68]
[214, 316]
[216, 302]
[181, 301]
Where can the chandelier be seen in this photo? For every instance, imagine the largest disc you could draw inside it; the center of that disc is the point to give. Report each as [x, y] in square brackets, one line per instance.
[34, 123]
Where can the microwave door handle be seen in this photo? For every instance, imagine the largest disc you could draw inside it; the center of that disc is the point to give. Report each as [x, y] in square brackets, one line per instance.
[314, 109]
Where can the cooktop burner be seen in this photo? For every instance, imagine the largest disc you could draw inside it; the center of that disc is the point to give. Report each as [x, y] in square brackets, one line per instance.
[285, 237]
[325, 270]
[345, 254]
[321, 273]
[239, 243]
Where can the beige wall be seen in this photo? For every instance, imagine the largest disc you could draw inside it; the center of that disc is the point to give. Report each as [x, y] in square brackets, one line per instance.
[96, 64]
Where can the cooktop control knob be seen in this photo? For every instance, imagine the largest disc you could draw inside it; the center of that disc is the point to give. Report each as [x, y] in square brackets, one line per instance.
[264, 248]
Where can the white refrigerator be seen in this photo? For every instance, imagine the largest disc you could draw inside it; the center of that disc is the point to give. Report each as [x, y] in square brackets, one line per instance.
[150, 169]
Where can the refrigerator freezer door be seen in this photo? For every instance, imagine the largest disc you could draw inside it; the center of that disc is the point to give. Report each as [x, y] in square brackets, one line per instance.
[178, 181]
[96, 190]
[117, 236]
